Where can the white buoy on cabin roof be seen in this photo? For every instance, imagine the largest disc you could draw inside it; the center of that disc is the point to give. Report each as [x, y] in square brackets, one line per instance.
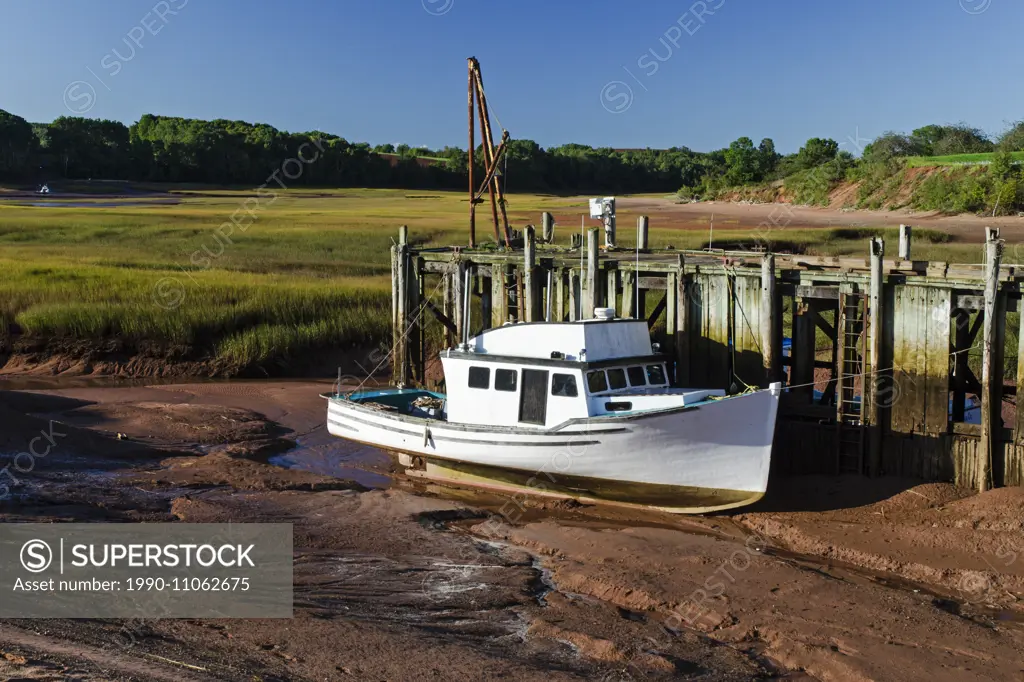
[604, 313]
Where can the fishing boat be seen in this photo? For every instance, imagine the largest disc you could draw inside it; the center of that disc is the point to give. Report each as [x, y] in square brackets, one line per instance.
[580, 410]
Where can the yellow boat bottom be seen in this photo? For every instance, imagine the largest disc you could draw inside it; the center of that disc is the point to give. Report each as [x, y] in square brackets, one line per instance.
[674, 499]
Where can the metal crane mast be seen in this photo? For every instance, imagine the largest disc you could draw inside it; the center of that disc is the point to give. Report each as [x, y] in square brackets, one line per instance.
[492, 156]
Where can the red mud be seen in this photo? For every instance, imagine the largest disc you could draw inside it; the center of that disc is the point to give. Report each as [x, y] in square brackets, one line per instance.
[829, 579]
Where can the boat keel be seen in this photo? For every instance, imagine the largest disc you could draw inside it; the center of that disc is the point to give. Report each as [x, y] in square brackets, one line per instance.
[667, 498]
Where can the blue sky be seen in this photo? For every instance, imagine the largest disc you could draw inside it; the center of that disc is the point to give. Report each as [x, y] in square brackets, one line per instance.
[394, 70]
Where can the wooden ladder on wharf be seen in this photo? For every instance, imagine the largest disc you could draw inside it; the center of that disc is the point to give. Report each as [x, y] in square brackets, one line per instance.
[852, 339]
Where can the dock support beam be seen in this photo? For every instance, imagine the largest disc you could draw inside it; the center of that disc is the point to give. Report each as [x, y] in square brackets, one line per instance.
[628, 309]
[874, 384]
[643, 225]
[1018, 431]
[417, 337]
[592, 297]
[802, 355]
[768, 352]
[576, 303]
[671, 310]
[459, 295]
[990, 407]
[549, 298]
[499, 295]
[400, 298]
[682, 324]
[559, 315]
[485, 303]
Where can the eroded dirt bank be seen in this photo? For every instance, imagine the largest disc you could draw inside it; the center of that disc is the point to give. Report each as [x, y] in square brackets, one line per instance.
[828, 579]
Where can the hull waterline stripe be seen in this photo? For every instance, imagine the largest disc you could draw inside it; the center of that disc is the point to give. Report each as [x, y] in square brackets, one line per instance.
[343, 426]
[467, 441]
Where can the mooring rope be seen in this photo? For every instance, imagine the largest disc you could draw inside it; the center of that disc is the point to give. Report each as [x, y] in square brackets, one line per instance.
[861, 374]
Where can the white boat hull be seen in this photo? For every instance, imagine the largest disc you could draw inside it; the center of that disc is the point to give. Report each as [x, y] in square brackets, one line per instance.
[709, 456]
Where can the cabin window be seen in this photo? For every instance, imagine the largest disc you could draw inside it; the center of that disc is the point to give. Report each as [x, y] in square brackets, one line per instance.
[617, 378]
[563, 385]
[480, 377]
[655, 374]
[596, 381]
[618, 407]
[636, 376]
[505, 380]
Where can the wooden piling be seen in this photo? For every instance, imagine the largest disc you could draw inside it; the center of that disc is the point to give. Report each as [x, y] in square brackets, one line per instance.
[548, 223]
[485, 303]
[990, 409]
[499, 295]
[400, 279]
[872, 392]
[671, 311]
[643, 225]
[575, 296]
[628, 309]
[458, 286]
[1018, 431]
[530, 297]
[997, 459]
[447, 307]
[802, 352]
[417, 337]
[559, 296]
[682, 323]
[395, 321]
[768, 351]
[549, 298]
[904, 252]
[612, 287]
[592, 296]
[609, 226]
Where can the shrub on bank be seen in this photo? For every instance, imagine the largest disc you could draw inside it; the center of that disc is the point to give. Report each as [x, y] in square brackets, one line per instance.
[814, 186]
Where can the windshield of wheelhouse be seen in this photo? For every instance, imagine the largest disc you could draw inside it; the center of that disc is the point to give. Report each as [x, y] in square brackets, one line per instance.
[627, 378]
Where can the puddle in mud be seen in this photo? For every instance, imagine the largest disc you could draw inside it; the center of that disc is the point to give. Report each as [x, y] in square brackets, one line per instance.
[321, 453]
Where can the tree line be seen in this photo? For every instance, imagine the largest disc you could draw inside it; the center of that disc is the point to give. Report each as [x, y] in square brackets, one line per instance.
[221, 152]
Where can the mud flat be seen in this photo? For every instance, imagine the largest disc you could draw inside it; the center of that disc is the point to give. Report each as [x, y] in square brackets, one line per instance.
[828, 579]
[730, 215]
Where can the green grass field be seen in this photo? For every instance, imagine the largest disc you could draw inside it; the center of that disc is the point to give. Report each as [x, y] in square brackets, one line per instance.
[311, 271]
[958, 159]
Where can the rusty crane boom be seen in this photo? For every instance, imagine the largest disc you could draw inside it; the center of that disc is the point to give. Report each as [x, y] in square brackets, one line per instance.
[492, 157]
